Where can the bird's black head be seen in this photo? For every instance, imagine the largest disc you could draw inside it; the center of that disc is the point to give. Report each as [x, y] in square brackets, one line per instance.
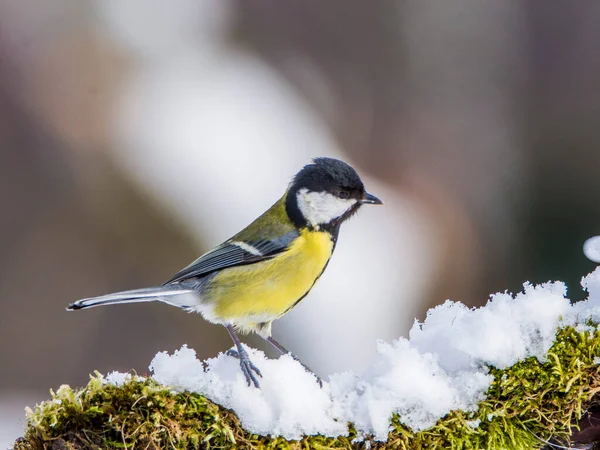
[325, 193]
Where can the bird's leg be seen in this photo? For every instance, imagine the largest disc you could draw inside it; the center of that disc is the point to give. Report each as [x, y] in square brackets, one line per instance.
[285, 351]
[245, 363]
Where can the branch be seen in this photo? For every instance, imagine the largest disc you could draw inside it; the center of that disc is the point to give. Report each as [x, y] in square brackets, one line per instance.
[527, 405]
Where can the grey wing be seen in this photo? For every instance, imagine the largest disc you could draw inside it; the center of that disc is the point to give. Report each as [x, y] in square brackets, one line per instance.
[234, 253]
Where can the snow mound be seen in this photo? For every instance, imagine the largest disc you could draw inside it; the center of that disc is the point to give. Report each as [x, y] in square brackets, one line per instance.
[444, 366]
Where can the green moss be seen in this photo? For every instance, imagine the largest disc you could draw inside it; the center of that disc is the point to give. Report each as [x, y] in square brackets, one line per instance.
[526, 405]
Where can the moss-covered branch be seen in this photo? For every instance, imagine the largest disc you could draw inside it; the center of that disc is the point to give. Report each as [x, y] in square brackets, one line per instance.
[527, 404]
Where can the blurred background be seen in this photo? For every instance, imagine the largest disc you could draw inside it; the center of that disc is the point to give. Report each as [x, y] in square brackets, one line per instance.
[136, 135]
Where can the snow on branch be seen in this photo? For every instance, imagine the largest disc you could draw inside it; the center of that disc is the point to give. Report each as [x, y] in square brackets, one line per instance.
[514, 374]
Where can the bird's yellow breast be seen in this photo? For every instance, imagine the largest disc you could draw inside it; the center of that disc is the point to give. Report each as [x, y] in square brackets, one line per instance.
[266, 290]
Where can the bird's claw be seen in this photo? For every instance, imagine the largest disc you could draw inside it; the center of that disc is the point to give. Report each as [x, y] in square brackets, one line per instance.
[319, 381]
[247, 366]
[232, 352]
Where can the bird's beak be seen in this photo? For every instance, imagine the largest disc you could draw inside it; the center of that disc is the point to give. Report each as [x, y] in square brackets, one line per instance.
[370, 199]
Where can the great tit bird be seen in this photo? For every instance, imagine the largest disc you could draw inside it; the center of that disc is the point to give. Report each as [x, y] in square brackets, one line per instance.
[266, 269]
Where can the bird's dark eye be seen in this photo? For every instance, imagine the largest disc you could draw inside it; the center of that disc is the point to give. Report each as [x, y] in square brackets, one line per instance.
[343, 194]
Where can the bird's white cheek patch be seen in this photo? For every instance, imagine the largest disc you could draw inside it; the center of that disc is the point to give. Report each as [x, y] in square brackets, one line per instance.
[322, 207]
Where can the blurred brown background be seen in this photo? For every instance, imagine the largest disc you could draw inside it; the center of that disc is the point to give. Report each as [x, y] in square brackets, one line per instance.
[481, 118]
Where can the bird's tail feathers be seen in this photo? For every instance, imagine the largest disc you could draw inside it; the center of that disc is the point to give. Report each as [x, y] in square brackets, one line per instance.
[172, 295]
